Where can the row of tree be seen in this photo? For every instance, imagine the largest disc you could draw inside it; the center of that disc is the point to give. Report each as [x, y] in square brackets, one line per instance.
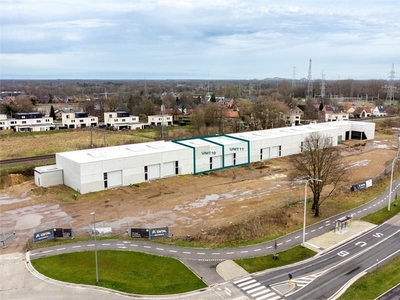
[47, 91]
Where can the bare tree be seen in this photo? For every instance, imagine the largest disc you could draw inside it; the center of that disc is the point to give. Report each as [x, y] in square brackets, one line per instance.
[319, 160]
[267, 112]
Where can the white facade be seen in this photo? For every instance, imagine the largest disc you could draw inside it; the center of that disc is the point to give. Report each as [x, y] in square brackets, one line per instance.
[79, 120]
[94, 170]
[122, 120]
[23, 122]
[332, 117]
[48, 176]
[159, 120]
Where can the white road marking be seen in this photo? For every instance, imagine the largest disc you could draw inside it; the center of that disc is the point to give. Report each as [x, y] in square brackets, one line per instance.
[215, 253]
[244, 251]
[148, 247]
[173, 251]
[255, 250]
[230, 252]
[186, 252]
[200, 253]
[90, 245]
[297, 237]
[106, 244]
[76, 246]
[321, 227]
[133, 245]
[59, 249]
[161, 249]
[313, 230]
[246, 282]
[47, 251]
[288, 241]
[241, 280]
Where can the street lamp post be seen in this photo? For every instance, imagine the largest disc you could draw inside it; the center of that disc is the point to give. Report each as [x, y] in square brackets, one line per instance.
[95, 246]
[305, 208]
[391, 176]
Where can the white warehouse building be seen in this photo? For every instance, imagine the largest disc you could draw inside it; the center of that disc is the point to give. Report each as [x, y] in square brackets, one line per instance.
[98, 169]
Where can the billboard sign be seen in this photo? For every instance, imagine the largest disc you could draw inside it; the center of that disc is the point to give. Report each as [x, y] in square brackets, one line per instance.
[159, 232]
[43, 235]
[139, 233]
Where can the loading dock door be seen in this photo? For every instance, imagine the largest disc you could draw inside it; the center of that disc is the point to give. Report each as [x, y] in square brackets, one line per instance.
[229, 160]
[217, 162]
[114, 178]
[275, 151]
[154, 172]
[169, 169]
[265, 153]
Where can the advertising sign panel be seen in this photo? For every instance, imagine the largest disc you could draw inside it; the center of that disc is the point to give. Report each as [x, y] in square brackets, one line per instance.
[43, 235]
[159, 232]
[139, 232]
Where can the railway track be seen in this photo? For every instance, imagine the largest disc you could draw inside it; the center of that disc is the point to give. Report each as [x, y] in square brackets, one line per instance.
[26, 160]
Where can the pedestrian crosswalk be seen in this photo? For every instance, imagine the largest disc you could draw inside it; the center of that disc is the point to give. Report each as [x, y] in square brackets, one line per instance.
[255, 289]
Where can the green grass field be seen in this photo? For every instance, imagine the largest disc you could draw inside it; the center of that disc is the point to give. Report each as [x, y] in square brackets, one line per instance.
[287, 257]
[374, 284]
[125, 271]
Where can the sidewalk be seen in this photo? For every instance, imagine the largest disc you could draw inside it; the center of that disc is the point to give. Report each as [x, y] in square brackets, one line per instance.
[331, 239]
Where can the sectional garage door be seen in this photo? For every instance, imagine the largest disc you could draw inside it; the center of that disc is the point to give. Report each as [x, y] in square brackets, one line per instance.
[216, 162]
[275, 151]
[169, 169]
[114, 178]
[153, 172]
[264, 153]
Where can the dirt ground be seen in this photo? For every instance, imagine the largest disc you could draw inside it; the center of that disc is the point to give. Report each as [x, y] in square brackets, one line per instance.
[186, 204]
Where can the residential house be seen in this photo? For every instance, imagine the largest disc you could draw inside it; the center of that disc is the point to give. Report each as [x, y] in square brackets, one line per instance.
[26, 122]
[159, 120]
[79, 120]
[379, 111]
[336, 116]
[360, 113]
[122, 120]
[293, 116]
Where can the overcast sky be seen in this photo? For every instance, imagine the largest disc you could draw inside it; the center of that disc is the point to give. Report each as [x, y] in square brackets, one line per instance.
[198, 39]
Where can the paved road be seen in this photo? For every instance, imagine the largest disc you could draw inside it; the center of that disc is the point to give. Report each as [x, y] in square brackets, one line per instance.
[283, 243]
[322, 276]
[16, 282]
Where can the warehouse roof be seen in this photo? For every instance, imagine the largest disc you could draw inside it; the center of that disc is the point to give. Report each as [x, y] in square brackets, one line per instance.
[99, 154]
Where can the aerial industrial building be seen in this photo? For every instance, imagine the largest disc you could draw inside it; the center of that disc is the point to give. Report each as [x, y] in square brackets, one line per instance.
[98, 169]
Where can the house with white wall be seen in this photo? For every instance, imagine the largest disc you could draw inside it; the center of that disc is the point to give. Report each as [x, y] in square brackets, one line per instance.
[159, 120]
[379, 111]
[78, 120]
[122, 120]
[336, 116]
[27, 122]
[293, 116]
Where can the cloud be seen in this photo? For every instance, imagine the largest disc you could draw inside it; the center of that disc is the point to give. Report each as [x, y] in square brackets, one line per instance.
[258, 38]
